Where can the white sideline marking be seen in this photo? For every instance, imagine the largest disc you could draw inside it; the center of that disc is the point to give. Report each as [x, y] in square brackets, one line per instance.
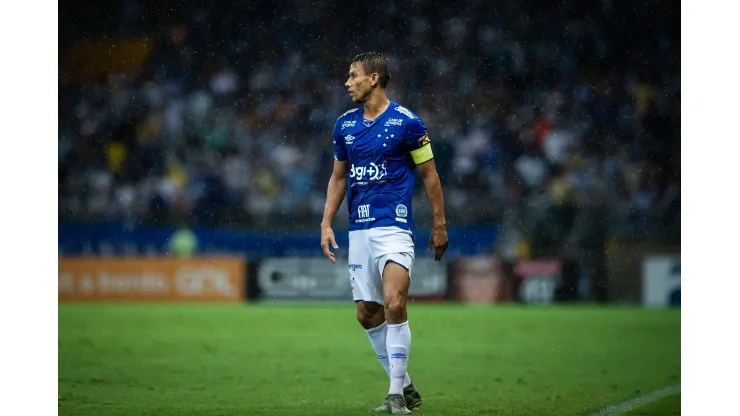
[629, 405]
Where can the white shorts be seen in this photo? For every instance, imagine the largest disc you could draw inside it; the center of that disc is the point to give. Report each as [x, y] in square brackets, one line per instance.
[369, 251]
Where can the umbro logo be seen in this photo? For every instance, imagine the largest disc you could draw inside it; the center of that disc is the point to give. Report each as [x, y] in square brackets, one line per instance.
[348, 139]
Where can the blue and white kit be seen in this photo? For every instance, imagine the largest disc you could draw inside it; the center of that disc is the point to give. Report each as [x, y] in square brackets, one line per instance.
[382, 154]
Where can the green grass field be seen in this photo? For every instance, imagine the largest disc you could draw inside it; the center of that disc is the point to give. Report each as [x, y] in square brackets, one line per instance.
[314, 359]
[670, 406]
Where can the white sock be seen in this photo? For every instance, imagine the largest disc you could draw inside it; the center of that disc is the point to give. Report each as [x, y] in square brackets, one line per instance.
[398, 343]
[377, 337]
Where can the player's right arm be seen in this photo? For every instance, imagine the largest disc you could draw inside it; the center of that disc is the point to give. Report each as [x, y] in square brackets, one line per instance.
[335, 192]
[334, 196]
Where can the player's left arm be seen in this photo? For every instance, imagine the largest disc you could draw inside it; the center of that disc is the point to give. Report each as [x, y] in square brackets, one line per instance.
[433, 188]
[420, 148]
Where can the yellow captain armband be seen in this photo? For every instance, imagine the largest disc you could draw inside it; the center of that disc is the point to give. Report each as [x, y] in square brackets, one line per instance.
[424, 153]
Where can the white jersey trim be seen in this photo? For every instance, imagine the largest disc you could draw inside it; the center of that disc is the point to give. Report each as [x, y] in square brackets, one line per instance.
[405, 111]
[348, 112]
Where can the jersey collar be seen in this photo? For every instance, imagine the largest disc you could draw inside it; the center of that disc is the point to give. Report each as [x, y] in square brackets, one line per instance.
[368, 123]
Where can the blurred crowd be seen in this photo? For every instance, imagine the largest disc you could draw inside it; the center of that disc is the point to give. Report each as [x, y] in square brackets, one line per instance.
[554, 119]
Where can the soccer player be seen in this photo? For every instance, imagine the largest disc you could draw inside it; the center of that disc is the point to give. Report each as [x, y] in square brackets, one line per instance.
[376, 148]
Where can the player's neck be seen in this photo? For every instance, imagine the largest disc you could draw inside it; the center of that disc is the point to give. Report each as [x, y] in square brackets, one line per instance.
[375, 106]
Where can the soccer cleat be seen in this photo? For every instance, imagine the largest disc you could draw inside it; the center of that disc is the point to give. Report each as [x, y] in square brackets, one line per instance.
[412, 396]
[394, 404]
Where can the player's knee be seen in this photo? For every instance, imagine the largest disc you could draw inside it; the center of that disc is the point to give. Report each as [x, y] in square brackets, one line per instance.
[395, 306]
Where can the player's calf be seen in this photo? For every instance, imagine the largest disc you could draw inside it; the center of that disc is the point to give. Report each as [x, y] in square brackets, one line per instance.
[370, 314]
[398, 337]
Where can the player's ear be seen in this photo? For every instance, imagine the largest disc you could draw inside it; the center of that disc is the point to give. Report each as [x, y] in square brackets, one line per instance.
[374, 79]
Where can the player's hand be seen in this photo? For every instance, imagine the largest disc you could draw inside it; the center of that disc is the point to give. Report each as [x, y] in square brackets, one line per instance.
[327, 237]
[438, 241]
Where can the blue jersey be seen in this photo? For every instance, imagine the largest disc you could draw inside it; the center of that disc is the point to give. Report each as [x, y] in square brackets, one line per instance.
[382, 155]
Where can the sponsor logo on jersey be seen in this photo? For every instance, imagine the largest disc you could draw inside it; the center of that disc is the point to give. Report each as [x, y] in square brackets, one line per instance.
[401, 211]
[364, 211]
[405, 111]
[394, 122]
[348, 123]
[370, 172]
[348, 139]
[354, 267]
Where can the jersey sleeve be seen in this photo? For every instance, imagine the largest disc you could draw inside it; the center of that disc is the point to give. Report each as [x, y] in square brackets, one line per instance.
[340, 152]
[417, 141]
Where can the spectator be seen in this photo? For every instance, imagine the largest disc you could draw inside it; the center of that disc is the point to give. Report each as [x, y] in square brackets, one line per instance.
[230, 121]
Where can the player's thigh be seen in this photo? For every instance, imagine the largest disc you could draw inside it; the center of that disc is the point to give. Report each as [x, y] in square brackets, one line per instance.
[396, 281]
[393, 250]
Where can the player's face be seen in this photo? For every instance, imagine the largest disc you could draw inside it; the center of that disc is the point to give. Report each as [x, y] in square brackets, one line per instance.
[358, 83]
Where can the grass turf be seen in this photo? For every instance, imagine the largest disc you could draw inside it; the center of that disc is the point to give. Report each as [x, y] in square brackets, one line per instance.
[670, 406]
[314, 359]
